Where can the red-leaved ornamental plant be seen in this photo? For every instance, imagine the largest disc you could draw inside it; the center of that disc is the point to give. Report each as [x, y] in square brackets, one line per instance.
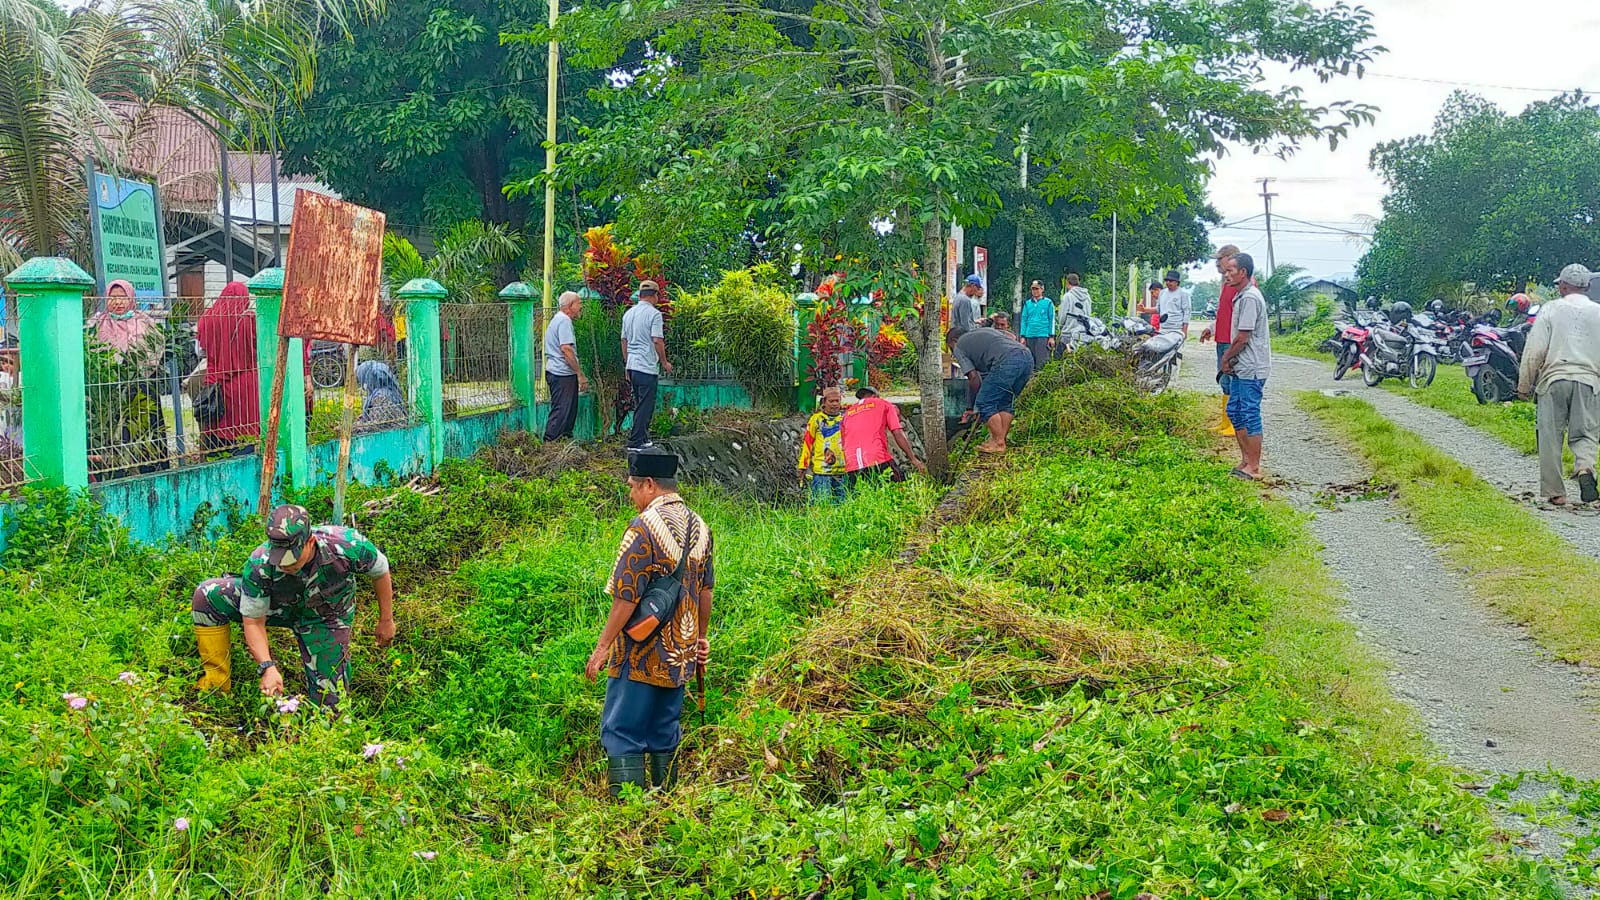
[608, 268]
[831, 333]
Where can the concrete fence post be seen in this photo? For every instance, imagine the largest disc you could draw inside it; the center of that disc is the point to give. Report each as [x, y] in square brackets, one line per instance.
[266, 289]
[525, 364]
[55, 428]
[424, 352]
[805, 310]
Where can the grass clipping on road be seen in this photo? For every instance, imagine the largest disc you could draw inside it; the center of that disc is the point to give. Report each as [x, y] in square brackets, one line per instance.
[1526, 570]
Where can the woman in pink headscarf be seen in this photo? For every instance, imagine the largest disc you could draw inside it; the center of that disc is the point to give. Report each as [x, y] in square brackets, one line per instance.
[227, 336]
[125, 328]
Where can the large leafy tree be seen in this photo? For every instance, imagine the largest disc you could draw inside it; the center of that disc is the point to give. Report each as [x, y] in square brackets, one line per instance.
[94, 80]
[1488, 198]
[862, 127]
[425, 114]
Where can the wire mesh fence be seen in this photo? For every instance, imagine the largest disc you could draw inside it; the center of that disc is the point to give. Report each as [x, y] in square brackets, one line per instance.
[383, 395]
[691, 362]
[477, 357]
[15, 468]
[138, 419]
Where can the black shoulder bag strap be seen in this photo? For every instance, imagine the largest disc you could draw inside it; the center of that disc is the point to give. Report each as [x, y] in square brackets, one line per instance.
[659, 602]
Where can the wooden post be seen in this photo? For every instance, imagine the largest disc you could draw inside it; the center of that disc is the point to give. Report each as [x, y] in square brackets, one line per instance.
[341, 474]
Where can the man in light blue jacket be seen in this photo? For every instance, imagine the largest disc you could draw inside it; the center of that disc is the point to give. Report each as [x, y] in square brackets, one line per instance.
[1038, 325]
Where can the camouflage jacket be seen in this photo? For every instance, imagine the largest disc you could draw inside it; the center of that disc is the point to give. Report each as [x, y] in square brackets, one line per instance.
[324, 588]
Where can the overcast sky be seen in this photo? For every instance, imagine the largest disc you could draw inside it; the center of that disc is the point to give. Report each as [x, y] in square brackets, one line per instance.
[1511, 53]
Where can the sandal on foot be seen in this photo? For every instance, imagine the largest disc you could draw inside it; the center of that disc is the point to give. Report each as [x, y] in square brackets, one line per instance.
[1242, 475]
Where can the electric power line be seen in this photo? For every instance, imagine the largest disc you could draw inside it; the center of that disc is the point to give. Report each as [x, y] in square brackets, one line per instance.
[1476, 84]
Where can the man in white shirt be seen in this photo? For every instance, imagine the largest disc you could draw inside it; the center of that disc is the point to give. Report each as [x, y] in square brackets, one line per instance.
[644, 349]
[1561, 363]
[1172, 304]
[562, 374]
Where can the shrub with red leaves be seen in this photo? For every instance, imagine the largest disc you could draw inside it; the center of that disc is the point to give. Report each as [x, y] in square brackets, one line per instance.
[608, 268]
[831, 333]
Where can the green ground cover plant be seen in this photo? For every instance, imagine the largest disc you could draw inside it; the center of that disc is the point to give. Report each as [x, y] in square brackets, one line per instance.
[1094, 673]
[1544, 585]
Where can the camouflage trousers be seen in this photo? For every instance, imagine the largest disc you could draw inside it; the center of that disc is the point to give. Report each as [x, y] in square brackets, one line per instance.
[324, 635]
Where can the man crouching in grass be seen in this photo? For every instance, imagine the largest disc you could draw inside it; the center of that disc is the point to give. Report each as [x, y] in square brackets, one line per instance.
[654, 640]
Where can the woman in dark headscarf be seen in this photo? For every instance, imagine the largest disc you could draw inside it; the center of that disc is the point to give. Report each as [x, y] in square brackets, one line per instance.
[227, 336]
[382, 403]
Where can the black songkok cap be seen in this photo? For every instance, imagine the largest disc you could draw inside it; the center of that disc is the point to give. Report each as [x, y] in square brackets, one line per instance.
[652, 464]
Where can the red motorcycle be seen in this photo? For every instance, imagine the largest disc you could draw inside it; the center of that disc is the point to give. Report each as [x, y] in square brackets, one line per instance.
[1353, 338]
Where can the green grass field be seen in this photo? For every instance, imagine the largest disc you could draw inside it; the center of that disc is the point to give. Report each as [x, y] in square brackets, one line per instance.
[1101, 675]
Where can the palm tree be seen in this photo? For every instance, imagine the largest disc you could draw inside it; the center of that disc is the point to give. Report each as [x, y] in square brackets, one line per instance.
[1283, 289]
[467, 260]
[94, 81]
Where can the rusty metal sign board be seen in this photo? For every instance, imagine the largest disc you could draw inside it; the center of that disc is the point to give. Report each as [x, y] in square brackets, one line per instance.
[331, 275]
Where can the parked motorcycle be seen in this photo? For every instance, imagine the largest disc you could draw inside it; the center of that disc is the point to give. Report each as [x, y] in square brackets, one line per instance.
[1156, 356]
[1400, 350]
[1083, 331]
[1494, 360]
[327, 364]
[1351, 341]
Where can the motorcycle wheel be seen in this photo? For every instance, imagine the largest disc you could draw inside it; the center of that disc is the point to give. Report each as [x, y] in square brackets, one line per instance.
[1347, 361]
[1371, 375]
[1487, 385]
[1423, 368]
[327, 371]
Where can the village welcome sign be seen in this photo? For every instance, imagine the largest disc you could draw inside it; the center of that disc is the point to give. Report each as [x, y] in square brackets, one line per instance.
[125, 218]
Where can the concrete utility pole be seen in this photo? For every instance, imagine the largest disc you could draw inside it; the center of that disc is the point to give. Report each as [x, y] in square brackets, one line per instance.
[550, 165]
[1113, 262]
[1266, 198]
[1024, 179]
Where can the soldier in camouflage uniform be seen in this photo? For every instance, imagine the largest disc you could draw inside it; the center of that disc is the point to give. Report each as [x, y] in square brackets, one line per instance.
[302, 579]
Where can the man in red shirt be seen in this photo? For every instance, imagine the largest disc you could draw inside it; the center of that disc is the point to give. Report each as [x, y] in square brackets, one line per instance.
[1221, 330]
[867, 425]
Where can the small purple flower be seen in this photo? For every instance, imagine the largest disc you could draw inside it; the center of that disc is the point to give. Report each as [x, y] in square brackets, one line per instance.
[371, 750]
[288, 705]
[128, 678]
[76, 701]
[180, 824]
[399, 762]
[424, 854]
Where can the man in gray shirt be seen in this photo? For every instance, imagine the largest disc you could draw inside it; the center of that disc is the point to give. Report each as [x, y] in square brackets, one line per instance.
[997, 369]
[644, 349]
[1248, 360]
[562, 374]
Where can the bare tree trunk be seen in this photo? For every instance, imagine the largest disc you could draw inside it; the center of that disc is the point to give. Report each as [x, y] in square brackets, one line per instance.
[930, 351]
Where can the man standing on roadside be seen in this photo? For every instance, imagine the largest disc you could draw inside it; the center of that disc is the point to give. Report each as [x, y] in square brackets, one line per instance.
[964, 309]
[1038, 325]
[1222, 330]
[997, 369]
[649, 661]
[822, 450]
[562, 374]
[1173, 305]
[1248, 360]
[1076, 305]
[644, 349]
[868, 425]
[1561, 363]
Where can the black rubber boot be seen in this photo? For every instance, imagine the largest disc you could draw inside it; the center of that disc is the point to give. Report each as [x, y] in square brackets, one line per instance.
[664, 769]
[1587, 491]
[621, 770]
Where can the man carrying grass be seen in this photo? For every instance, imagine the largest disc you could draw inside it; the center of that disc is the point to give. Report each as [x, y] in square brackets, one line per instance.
[1248, 360]
[654, 640]
[1561, 363]
[303, 579]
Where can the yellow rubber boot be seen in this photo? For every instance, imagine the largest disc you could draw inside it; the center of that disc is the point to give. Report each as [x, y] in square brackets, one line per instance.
[214, 643]
[1224, 425]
